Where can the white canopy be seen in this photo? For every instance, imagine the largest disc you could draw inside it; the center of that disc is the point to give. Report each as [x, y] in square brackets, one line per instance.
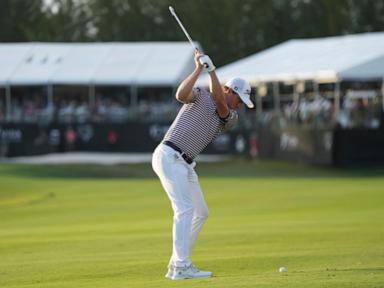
[330, 59]
[136, 63]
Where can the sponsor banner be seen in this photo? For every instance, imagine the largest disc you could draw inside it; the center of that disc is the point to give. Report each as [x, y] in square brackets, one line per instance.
[22, 139]
[19, 140]
[297, 144]
[338, 147]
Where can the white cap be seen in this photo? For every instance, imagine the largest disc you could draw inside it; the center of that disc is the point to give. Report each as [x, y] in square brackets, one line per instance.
[242, 88]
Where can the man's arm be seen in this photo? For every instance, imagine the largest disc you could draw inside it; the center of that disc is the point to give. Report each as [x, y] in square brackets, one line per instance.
[184, 91]
[218, 95]
[215, 88]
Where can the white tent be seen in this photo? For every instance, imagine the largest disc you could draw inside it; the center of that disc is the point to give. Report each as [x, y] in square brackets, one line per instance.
[136, 63]
[330, 59]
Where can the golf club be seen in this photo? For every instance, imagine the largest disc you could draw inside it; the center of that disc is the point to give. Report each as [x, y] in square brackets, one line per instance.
[182, 27]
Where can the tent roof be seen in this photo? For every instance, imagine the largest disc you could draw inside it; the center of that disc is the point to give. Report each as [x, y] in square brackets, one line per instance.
[359, 56]
[136, 63]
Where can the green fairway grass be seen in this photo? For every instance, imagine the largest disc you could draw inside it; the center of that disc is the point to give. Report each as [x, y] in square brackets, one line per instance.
[110, 226]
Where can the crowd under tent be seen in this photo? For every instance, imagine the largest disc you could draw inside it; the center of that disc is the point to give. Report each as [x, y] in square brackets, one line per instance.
[133, 65]
[333, 60]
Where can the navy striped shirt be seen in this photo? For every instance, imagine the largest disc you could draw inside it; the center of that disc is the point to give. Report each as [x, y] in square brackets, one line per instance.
[198, 124]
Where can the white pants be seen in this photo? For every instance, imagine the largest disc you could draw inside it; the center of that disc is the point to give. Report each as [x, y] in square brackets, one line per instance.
[181, 183]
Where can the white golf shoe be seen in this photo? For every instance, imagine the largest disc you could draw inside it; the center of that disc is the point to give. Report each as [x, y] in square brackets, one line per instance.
[189, 272]
[169, 274]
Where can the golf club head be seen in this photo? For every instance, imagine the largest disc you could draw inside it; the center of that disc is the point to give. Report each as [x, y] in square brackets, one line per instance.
[173, 13]
[172, 10]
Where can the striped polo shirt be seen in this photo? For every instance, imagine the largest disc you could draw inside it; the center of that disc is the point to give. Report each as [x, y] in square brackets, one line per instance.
[198, 124]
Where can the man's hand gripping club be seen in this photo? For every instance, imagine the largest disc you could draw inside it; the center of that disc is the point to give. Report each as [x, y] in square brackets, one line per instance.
[207, 63]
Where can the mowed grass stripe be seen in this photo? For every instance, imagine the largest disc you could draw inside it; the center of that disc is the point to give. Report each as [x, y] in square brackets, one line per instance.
[102, 232]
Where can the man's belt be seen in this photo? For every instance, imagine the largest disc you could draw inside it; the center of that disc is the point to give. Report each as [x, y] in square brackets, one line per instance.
[187, 159]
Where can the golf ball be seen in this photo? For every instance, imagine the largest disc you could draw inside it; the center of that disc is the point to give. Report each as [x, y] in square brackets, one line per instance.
[282, 269]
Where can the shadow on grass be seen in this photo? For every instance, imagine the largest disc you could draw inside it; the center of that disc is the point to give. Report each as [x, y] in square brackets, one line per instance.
[234, 168]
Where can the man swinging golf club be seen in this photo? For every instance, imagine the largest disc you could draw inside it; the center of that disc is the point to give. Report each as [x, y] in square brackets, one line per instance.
[204, 115]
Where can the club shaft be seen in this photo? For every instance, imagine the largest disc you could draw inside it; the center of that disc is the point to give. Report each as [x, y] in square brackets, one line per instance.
[183, 28]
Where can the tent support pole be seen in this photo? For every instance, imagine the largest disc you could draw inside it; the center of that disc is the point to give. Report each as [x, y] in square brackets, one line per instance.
[276, 97]
[315, 89]
[8, 102]
[91, 95]
[337, 99]
[296, 95]
[259, 103]
[382, 94]
[134, 98]
[50, 93]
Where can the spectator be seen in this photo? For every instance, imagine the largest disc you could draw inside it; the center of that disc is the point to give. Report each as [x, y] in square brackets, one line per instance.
[29, 111]
[82, 113]
[66, 111]
[16, 111]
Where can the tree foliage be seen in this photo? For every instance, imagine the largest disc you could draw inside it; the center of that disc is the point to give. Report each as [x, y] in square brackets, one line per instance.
[227, 29]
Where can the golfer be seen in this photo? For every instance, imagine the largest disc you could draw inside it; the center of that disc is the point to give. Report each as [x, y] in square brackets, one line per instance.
[204, 115]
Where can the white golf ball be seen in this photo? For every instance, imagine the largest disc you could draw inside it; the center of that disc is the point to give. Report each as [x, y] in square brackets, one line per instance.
[282, 269]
